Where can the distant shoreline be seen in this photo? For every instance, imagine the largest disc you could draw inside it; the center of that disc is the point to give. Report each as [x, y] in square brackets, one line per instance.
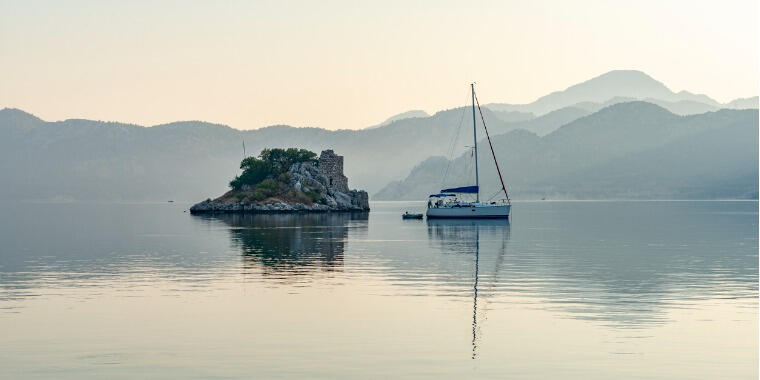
[190, 203]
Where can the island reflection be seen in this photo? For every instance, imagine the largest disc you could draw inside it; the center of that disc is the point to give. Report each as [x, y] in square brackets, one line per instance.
[291, 244]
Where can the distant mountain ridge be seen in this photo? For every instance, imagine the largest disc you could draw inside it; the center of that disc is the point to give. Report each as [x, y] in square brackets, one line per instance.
[627, 150]
[401, 116]
[743, 103]
[187, 160]
[625, 84]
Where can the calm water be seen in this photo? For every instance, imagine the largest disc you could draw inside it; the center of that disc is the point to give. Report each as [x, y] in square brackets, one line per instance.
[567, 289]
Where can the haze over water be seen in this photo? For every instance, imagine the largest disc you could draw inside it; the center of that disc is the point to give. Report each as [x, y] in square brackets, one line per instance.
[660, 289]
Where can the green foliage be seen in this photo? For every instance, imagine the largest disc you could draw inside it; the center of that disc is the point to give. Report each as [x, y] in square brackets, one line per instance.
[313, 196]
[267, 177]
[271, 163]
[254, 171]
[299, 197]
[281, 159]
[269, 187]
[265, 189]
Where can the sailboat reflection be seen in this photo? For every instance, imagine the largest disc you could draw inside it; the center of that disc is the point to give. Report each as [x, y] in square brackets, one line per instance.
[464, 236]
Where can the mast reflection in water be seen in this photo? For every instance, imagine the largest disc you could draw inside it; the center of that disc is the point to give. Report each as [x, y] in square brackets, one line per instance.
[466, 235]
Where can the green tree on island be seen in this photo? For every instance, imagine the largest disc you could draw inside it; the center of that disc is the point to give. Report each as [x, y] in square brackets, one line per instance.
[270, 164]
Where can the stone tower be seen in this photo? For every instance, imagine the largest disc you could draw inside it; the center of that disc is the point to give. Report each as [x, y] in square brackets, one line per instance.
[331, 166]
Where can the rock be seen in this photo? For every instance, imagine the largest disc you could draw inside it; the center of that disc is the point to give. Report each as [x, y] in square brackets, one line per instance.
[305, 177]
[360, 199]
[330, 201]
[343, 200]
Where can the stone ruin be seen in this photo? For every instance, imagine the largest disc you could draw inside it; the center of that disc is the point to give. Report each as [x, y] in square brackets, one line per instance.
[331, 166]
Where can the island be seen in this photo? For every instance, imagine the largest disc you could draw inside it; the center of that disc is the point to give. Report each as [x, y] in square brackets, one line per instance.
[288, 180]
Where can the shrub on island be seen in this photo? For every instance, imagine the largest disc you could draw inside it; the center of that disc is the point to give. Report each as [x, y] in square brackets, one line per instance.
[266, 176]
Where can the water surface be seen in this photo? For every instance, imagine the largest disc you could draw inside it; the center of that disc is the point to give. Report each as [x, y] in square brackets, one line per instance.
[566, 289]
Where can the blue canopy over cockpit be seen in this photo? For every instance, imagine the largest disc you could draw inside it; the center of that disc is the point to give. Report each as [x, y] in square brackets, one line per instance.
[460, 190]
[441, 195]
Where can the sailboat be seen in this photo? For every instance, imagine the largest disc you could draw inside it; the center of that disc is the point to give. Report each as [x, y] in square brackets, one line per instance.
[446, 204]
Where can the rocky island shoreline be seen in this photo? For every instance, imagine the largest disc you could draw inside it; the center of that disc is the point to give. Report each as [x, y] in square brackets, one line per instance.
[288, 180]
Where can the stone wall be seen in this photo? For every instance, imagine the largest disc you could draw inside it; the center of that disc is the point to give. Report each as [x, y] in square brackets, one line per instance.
[331, 166]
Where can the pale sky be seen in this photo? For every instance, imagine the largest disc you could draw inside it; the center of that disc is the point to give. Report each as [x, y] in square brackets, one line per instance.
[351, 64]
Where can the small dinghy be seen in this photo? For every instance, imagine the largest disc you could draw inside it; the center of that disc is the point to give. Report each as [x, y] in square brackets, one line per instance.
[407, 215]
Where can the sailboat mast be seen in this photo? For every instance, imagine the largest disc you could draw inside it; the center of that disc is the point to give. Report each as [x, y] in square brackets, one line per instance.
[475, 141]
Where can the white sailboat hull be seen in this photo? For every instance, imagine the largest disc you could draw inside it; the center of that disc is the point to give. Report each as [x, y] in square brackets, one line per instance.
[470, 211]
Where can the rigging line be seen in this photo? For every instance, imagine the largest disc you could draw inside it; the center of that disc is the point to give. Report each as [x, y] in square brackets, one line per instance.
[452, 146]
[492, 152]
[494, 195]
[467, 167]
[456, 136]
[468, 162]
[450, 150]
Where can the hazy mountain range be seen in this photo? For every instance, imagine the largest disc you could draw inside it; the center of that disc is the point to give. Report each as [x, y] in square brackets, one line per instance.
[595, 141]
[83, 159]
[403, 115]
[628, 150]
[625, 84]
[618, 86]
